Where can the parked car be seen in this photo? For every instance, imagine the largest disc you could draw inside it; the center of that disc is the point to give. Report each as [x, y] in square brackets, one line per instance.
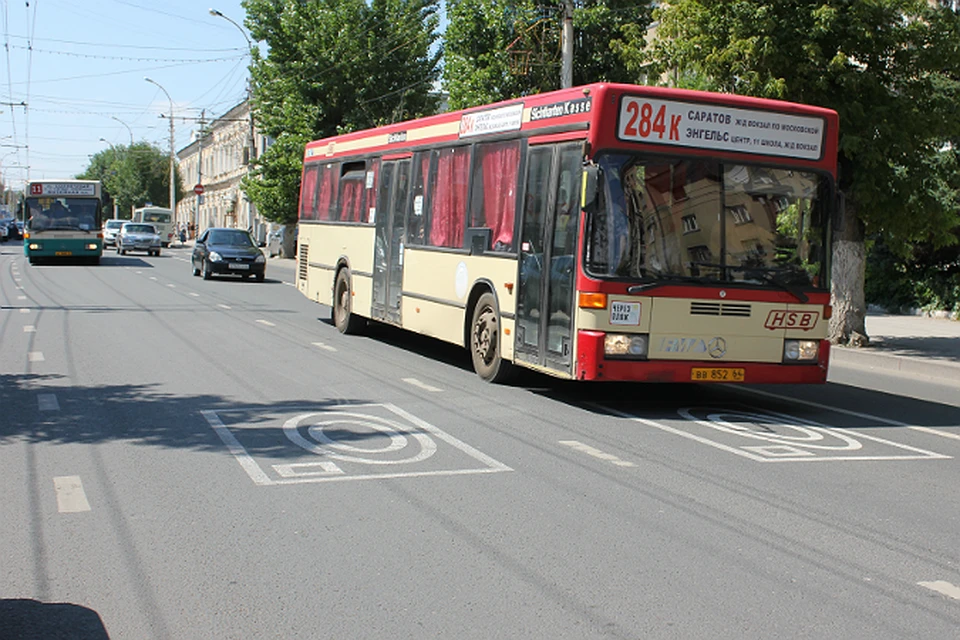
[221, 250]
[277, 245]
[138, 236]
[110, 230]
[4, 231]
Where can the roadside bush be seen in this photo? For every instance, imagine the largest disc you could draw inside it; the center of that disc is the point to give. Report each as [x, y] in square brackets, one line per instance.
[929, 280]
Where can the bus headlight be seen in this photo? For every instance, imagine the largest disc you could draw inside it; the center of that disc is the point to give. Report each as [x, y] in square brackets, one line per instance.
[91, 246]
[800, 350]
[34, 246]
[215, 257]
[625, 345]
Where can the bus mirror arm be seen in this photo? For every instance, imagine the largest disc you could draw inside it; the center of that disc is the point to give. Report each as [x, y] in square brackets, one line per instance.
[591, 188]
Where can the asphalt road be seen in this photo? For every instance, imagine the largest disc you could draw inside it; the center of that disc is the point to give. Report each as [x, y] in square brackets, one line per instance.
[182, 458]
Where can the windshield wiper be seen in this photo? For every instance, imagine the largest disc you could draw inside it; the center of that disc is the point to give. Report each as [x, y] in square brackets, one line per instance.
[665, 281]
[770, 275]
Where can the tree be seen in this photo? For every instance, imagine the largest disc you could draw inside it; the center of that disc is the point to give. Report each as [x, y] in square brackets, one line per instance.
[497, 50]
[334, 66]
[890, 68]
[132, 176]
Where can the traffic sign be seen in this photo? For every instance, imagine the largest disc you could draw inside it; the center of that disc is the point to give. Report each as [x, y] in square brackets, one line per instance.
[198, 189]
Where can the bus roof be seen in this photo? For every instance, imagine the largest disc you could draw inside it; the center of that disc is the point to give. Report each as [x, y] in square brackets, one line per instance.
[778, 125]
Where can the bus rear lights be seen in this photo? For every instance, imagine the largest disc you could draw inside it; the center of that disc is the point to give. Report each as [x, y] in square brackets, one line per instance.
[800, 350]
[593, 300]
[630, 346]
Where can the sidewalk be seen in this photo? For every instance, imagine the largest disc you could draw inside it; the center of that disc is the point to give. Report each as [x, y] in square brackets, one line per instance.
[914, 345]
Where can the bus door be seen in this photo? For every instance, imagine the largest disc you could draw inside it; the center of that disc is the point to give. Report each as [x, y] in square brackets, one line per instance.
[390, 228]
[548, 239]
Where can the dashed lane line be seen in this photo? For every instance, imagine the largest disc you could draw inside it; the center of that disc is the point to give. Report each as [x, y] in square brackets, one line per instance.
[47, 402]
[35, 356]
[323, 346]
[70, 495]
[266, 323]
[596, 453]
[943, 587]
[224, 306]
[29, 328]
[421, 385]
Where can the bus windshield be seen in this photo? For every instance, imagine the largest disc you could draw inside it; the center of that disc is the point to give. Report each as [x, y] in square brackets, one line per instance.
[155, 216]
[703, 220]
[62, 213]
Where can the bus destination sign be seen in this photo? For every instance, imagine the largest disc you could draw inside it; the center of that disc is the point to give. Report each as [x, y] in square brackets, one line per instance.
[686, 124]
[63, 189]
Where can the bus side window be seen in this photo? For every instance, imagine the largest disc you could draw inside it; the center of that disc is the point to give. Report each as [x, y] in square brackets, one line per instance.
[494, 203]
[418, 219]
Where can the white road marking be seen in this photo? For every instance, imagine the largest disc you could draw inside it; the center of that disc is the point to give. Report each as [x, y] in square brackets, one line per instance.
[70, 495]
[323, 346]
[48, 402]
[35, 356]
[29, 328]
[266, 323]
[857, 414]
[153, 277]
[172, 286]
[422, 385]
[937, 432]
[223, 306]
[942, 586]
[596, 453]
[24, 310]
[21, 297]
[195, 295]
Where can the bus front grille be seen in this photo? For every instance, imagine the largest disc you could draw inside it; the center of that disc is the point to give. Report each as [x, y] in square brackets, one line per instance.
[719, 309]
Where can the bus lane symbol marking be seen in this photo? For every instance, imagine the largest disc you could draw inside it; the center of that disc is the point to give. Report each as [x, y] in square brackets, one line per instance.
[317, 431]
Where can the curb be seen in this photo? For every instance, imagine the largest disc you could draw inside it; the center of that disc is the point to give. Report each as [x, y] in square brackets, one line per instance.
[947, 372]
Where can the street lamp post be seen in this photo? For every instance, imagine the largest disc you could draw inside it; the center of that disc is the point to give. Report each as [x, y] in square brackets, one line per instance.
[173, 186]
[253, 136]
[129, 130]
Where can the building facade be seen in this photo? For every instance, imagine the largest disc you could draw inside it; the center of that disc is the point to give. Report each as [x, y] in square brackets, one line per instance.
[218, 158]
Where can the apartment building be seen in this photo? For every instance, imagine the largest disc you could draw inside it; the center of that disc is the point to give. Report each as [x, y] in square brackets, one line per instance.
[218, 159]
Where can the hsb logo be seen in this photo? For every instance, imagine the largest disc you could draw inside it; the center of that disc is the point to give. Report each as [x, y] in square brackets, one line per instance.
[803, 320]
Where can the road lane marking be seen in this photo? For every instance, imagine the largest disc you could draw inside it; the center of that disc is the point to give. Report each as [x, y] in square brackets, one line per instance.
[24, 310]
[153, 277]
[21, 297]
[29, 328]
[223, 306]
[35, 356]
[596, 453]
[172, 286]
[70, 495]
[266, 323]
[942, 586]
[421, 385]
[937, 432]
[48, 402]
[195, 295]
[323, 346]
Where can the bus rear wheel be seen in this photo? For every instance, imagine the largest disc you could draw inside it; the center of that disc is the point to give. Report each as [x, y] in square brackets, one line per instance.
[343, 317]
[485, 342]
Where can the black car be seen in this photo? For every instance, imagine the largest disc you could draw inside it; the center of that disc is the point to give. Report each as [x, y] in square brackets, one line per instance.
[222, 250]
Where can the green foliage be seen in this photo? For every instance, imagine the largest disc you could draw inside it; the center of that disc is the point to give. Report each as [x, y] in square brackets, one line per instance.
[890, 68]
[132, 176]
[274, 183]
[335, 66]
[497, 50]
[929, 279]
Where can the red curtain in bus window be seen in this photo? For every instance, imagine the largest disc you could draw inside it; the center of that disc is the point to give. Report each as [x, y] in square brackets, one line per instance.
[327, 196]
[500, 168]
[448, 209]
[308, 193]
[351, 200]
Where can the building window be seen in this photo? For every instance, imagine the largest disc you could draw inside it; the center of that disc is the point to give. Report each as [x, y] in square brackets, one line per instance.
[690, 224]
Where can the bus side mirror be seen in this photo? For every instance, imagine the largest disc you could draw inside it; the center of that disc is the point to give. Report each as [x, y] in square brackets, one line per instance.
[590, 192]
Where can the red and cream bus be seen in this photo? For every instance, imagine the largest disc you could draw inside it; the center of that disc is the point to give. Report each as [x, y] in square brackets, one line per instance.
[604, 232]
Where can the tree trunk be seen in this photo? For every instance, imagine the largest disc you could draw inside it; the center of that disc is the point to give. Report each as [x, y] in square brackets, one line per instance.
[848, 325]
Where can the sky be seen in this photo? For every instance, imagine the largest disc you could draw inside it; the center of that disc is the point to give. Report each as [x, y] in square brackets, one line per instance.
[79, 67]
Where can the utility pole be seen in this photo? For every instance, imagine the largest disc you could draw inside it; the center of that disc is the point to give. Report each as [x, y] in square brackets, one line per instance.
[196, 215]
[566, 68]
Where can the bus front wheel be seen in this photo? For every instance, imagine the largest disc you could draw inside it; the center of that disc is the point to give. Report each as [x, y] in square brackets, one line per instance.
[346, 321]
[485, 341]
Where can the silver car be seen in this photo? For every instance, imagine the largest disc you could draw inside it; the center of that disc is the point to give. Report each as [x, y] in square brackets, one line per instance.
[110, 230]
[138, 236]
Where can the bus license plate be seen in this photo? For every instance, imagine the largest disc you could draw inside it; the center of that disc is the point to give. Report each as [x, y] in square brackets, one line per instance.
[715, 374]
[64, 253]
[239, 265]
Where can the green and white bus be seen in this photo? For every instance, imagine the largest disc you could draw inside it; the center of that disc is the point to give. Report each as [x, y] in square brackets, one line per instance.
[62, 220]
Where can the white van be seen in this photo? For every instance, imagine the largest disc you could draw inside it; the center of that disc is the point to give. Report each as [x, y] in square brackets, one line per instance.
[159, 217]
